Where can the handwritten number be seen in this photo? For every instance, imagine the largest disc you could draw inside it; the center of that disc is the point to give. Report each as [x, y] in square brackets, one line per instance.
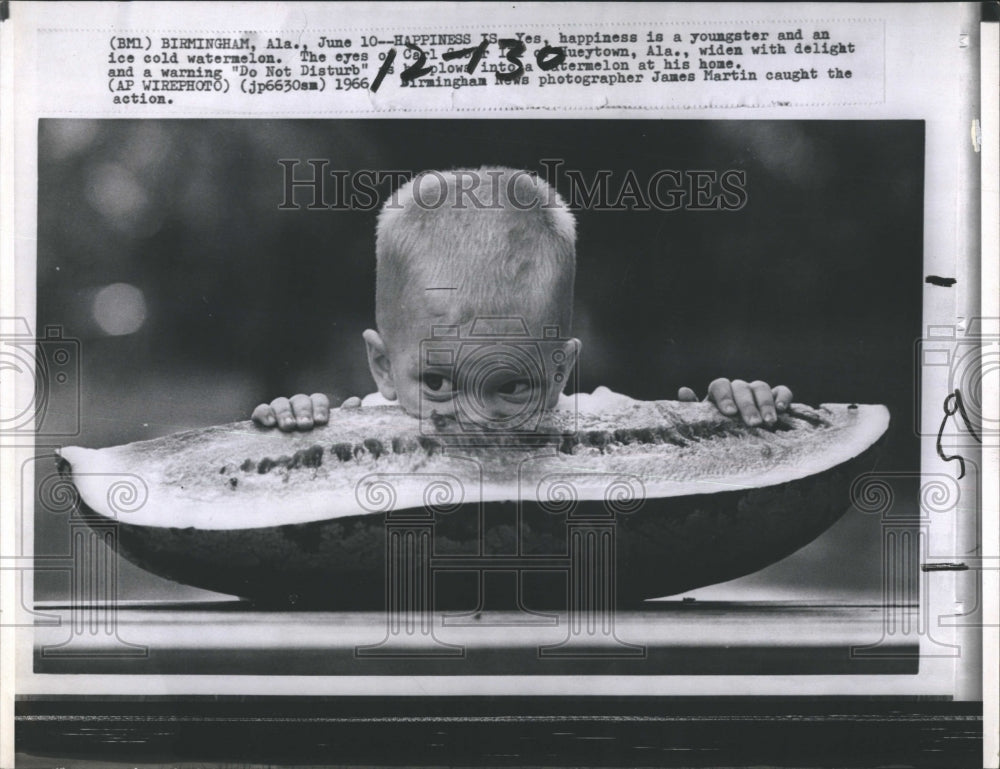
[558, 56]
[548, 57]
[476, 52]
[513, 56]
[383, 70]
[417, 69]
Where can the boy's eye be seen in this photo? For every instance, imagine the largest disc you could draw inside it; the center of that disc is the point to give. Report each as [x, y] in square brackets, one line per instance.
[515, 387]
[437, 383]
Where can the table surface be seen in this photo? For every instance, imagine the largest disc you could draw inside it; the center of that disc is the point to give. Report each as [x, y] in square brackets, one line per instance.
[661, 638]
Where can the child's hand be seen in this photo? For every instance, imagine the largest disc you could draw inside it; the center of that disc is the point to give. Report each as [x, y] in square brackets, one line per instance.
[754, 402]
[300, 412]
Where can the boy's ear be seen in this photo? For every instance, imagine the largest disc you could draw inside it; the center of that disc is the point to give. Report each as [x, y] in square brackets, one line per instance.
[571, 351]
[379, 364]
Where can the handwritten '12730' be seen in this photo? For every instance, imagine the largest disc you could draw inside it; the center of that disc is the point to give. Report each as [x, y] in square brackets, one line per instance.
[547, 57]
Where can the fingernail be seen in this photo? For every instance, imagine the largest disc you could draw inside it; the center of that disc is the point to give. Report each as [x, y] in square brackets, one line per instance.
[728, 407]
[769, 415]
[287, 421]
[753, 421]
[269, 420]
[304, 421]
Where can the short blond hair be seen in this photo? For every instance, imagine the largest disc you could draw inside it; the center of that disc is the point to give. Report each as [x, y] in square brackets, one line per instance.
[500, 237]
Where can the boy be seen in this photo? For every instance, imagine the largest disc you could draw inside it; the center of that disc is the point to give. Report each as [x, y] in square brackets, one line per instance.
[479, 251]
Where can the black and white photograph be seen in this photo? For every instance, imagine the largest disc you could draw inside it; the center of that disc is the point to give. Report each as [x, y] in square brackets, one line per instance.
[245, 294]
[551, 438]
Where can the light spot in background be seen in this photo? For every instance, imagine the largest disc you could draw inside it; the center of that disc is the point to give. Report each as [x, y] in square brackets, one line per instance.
[146, 147]
[787, 151]
[65, 138]
[120, 309]
[115, 193]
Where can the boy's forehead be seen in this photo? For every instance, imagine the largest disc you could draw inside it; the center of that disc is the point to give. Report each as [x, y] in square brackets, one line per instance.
[438, 302]
[427, 309]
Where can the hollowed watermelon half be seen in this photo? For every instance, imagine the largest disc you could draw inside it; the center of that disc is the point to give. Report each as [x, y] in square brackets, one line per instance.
[651, 497]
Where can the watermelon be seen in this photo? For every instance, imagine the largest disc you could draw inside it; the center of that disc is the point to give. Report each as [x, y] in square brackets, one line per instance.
[688, 496]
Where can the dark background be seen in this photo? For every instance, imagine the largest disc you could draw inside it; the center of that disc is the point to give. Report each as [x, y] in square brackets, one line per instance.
[816, 283]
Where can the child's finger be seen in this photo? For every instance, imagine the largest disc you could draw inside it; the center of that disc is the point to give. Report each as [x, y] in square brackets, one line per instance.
[320, 408]
[746, 402]
[765, 401]
[686, 395]
[302, 409]
[263, 415]
[782, 397]
[283, 414]
[720, 392]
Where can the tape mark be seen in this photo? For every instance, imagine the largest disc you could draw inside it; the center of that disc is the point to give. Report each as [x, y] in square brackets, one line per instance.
[936, 280]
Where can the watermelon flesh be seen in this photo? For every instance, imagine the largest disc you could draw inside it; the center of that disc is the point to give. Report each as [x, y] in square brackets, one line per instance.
[694, 497]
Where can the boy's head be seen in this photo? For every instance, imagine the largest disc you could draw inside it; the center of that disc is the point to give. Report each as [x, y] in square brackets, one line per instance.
[467, 259]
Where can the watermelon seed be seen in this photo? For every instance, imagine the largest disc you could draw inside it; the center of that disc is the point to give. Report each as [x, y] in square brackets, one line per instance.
[624, 436]
[403, 445]
[233, 483]
[645, 435]
[568, 443]
[343, 451]
[311, 457]
[667, 435]
[598, 438]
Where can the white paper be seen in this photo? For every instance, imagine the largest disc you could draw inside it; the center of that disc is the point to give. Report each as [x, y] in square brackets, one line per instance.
[780, 84]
